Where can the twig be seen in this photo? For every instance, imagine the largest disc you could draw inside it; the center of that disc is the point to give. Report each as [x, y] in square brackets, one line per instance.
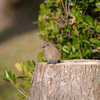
[91, 27]
[23, 91]
[68, 6]
[92, 31]
[79, 46]
[66, 12]
[10, 80]
[56, 22]
[60, 21]
[62, 18]
[88, 25]
[86, 8]
[57, 38]
[74, 3]
[61, 26]
[98, 34]
[31, 70]
[64, 8]
[23, 94]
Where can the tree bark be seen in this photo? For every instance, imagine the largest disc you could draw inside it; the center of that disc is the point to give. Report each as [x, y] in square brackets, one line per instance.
[68, 80]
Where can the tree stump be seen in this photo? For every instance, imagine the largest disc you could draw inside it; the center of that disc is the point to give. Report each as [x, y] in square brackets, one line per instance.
[68, 80]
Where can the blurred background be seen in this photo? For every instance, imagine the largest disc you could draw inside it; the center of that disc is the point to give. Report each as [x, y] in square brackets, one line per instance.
[19, 39]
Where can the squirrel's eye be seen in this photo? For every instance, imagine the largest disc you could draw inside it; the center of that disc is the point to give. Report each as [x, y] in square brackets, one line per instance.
[47, 44]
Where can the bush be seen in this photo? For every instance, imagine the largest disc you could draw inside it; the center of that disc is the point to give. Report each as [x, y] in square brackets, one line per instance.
[24, 85]
[73, 26]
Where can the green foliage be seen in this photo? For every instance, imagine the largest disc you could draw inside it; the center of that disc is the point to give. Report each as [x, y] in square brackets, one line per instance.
[98, 7]
[24, 85]
[73, 26]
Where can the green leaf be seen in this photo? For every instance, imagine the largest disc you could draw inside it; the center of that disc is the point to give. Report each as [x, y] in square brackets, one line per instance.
[28, 85]
[91, 1]
[42, 7]
[96, 9]
[79, 17]
[94, 40]
[16, 86]
[14, 79]
[21, 96]
[4, 76]
[60, 39]
[69, 46]
[86, 41]
[89, 20]
[98, 28]
[81, 39]
[40, 57]
[29, 64]
[84, 18]
[28, 80]
[94, 50]
[33, 63]
[35, 22]
[73, 56]
[22, 86]
[98, 5]
[75, 38]
[22, 76]
[81, 25]
[60, 46]
[40, 26]
[18, 66]
[95, 22]
[74, 11]
[88, 32]
[69, 27]
[71, 14]
[88, 51]
[6, 73]
[10, 74]
[83, 52]
[58, 1]
[84, 31]
[25, 70]
[87, 28]
[29, 74]
[65, 49]
[73, 48]
[33, 70]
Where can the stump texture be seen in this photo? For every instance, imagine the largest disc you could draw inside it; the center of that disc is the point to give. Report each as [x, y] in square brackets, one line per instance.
[68, 80]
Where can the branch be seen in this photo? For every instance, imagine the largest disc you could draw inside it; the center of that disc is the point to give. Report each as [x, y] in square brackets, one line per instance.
[74, 4]
[86, 8]
[89, 25]
[25, 94]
